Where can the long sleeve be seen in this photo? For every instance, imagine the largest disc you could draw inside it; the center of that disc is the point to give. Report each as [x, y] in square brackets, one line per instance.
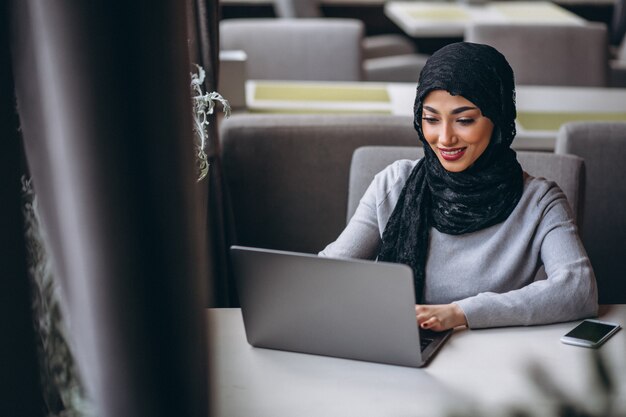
[362, 236]
[530, 269]
[566, 292]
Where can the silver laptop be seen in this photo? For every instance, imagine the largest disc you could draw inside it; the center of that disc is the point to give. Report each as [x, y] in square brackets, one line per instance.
[345, 308]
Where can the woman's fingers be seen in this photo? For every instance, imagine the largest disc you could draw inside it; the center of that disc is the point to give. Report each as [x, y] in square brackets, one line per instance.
[422, 314]
[423, 310]
[435, 317]
[429, 323]
[425, 316]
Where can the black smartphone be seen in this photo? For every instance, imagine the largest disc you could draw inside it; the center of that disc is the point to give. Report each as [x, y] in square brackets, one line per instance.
[590, 333]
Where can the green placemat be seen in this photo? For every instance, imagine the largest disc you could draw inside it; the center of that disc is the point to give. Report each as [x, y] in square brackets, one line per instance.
[317, 111]
[554, 120]
[439, 14]
[301, 92]
[538, 13]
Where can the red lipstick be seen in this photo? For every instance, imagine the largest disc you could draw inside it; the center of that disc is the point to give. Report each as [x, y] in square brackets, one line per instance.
[452, 154]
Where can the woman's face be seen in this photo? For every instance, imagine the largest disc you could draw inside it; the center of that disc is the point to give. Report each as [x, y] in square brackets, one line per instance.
[455, 129]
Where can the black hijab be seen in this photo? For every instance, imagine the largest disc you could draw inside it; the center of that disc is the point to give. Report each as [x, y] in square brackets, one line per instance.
[458, 202]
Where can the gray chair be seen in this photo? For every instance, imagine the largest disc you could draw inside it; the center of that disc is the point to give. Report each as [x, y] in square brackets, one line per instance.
[566, 170]
[303, 49]
[603, 147]
[297, 9]
[386, 57]
[288, 174]
[373, 46]
[618, 22]
[396, 68]
[617, 63]
[550, 54]
[617, 66]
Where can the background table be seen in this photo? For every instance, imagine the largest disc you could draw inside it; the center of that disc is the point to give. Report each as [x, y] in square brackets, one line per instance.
[541, 110]
[357, 3]
[371, 12]
[479, 371]
[436, 19]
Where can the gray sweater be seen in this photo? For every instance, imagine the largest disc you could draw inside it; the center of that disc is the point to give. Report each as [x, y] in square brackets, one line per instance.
[530, 269]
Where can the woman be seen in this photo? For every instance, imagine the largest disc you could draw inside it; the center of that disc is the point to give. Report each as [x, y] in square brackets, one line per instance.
[475, 228]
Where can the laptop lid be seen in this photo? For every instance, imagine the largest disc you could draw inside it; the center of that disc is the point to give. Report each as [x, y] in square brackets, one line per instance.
[345, 308]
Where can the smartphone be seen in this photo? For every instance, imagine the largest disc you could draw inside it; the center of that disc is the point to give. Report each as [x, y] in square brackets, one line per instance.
[590, 333]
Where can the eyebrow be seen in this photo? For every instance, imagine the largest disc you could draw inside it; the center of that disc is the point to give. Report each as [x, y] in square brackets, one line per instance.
[455, 111]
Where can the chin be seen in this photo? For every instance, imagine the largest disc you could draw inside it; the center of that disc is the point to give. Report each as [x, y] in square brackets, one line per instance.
[453, 166]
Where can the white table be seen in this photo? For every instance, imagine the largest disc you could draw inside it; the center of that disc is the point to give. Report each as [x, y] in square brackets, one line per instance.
[485, 369]
[443, 19]
[541, 110]
[358, 3]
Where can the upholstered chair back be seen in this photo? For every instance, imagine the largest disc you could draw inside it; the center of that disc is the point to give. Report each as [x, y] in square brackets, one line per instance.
[566, 170]
[325, 49]
[550, 54]
[603, 147]
[288, 174]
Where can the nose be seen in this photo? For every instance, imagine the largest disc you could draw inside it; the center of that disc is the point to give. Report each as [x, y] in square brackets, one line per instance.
[447, 136]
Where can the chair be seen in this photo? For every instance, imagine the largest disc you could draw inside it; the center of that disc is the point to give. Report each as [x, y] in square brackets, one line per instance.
[603, 147]
[566, 170]
[618, 22]
[386, 57]
[306, 49]
[550, 54]
[617, 66]
[617, 63]
[395, 68]
[288, 174]
[373, 46]
[297, 9]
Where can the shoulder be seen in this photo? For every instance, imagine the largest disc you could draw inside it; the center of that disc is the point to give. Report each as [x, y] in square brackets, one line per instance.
[542, 195]
[541, 189]
[394, 175]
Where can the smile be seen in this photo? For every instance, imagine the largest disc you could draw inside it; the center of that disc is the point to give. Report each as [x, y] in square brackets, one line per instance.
[452, 154]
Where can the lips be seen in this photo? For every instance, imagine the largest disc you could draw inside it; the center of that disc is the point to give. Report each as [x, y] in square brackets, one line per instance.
[452, 154]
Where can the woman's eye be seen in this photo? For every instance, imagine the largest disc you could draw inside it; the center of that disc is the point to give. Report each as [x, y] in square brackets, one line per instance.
[466, 122]
[429, 120]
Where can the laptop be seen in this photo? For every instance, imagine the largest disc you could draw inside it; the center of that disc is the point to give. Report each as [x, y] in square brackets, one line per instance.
[345, 308]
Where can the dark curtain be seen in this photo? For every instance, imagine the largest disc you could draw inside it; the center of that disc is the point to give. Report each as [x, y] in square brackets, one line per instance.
[204, 50]
[104, 104]
[20, 391]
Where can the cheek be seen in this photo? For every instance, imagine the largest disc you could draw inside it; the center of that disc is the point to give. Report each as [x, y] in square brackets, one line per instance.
[430, 134]
[479, 135]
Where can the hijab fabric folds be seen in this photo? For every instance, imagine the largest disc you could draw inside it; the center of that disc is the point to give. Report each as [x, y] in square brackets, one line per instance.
[455, 203]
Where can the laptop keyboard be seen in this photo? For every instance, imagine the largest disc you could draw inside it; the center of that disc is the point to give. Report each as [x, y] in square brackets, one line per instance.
[426, 338]
[424, 342]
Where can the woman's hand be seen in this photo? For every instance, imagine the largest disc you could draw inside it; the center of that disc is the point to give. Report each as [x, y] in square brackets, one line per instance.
[439, 317]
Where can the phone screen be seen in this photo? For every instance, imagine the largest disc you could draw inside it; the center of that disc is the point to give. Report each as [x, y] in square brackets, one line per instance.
[591, 331]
